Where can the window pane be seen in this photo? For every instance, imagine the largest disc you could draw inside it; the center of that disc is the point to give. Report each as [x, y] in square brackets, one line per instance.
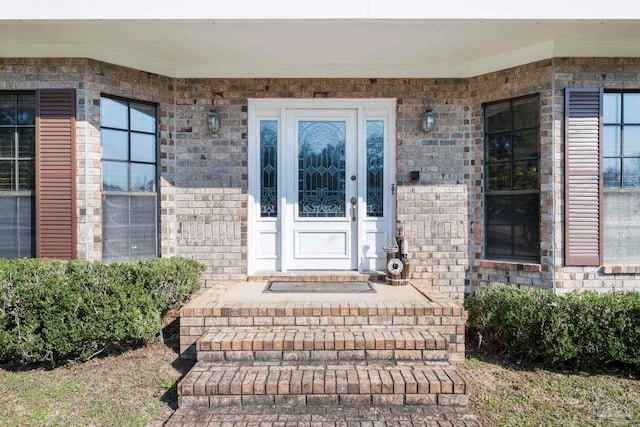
[526, 143]
[612, 172]
[499, 176]
[498, 147]
[631, 173]
[129, 228]
[7, 109]
[526, 222]
[375, 168]
[269, 168]
[632, 141]
[143, 177]
[115, 228]
[144, 240]
[26, 175]
[114, 113]
[115, 176]
[621, 226]
[497, 117]
[115, 144]
[526, 113]
[7, 142]
[27, 110]
[143, 148]
[513, 229]
[498, 226]
[16, 225]
[27, 142]
[143, 118]
[611, 143]
[7, 175]
[612, 109]
[632, 108]
[26, 224]
[8, 227]
[525, 175]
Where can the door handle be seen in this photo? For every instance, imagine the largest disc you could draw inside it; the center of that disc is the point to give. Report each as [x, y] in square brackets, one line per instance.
[354, 202]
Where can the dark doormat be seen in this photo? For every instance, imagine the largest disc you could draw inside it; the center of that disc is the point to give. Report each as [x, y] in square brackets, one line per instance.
[319, 287]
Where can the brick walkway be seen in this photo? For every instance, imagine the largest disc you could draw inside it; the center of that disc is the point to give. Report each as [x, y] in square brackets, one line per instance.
[377, 416]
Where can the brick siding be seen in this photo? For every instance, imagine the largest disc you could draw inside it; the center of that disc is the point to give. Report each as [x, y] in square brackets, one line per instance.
[204, 178]
[608, 73]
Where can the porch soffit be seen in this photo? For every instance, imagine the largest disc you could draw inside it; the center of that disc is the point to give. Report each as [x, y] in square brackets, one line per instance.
[319, 47]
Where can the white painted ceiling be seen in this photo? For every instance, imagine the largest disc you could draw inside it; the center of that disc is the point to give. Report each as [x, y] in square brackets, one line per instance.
[319, 47]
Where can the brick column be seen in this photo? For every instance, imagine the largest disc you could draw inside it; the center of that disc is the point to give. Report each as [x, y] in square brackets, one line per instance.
[436, 226]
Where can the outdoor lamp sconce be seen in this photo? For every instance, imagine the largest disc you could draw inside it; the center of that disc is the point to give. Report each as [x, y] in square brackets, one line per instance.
[428, 120]
[213, 121]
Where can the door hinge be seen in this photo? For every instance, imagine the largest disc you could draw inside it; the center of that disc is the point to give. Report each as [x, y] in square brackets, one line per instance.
[393, 189]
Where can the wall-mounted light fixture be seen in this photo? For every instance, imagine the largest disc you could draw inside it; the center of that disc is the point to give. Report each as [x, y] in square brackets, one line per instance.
[428, 120]
[213, 121]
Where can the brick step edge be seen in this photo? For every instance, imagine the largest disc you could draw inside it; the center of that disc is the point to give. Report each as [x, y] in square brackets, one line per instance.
[306, 338]
[456, 400]
[223, 380]
[326, 416]
[323, 355]
[325, 309]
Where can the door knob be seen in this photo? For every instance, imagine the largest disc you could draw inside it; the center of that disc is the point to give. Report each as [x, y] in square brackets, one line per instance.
[354, 201]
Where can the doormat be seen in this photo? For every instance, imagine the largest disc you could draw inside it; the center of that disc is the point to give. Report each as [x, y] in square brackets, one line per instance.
[319, 287]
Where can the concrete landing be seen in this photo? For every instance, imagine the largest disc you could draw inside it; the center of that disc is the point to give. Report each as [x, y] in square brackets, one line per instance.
[251, 292]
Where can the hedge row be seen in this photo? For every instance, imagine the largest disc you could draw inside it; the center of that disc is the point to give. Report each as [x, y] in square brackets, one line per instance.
[581, 329]
[53, 310]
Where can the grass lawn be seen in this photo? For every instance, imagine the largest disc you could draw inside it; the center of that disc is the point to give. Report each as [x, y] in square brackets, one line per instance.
[137, 388]
[512, 394]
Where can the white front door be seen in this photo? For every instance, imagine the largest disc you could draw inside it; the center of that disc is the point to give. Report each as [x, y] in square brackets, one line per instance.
[321, 191]
[321, 184]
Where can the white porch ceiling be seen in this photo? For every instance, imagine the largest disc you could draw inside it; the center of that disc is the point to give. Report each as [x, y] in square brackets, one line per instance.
[318, 47]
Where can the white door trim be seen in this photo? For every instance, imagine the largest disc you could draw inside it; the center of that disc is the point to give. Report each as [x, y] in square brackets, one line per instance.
[265, 236]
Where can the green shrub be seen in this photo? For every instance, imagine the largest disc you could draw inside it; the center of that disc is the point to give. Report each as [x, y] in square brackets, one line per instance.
[53, 310]
[583, 329]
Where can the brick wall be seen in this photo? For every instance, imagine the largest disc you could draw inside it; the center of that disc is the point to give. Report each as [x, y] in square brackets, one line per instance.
[211, 171]
[107, 79]
[534, 78]
[204, 177]
[436, 225]
[608, 73]
[50, 73]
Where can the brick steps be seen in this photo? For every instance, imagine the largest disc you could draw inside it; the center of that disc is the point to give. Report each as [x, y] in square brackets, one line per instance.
[292, 384]
[323, 353]
[324, 416]
[309, 343]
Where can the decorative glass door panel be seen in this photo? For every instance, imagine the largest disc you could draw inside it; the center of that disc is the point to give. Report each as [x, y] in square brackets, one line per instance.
[321, 169]
[375, 167]
[324, 167]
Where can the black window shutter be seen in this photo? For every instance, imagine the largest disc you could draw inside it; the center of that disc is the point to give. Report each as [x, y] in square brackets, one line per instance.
[582, 177]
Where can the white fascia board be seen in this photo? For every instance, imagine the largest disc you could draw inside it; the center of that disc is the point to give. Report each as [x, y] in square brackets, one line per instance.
[321, 71]
[321, 9]
[620, 49]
